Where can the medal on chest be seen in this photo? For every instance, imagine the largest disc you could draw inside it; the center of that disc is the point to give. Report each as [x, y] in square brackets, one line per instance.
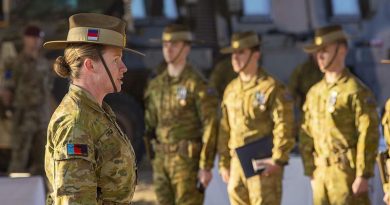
[332, 101]
[181, 95]
[259, 100]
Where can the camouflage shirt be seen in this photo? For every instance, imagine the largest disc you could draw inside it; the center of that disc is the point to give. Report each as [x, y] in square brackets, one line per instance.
[255, 109]
[183, 108]
[31, 81]
[386, 122]
[88, 158]
[340, 119]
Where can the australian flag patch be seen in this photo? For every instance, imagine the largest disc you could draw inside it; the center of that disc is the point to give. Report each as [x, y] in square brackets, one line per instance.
[77, 149]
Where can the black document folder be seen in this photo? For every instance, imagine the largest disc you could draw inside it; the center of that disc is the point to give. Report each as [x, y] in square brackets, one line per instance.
[259, 149]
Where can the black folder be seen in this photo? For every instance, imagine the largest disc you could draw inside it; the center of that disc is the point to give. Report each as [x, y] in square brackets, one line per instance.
[259, 149]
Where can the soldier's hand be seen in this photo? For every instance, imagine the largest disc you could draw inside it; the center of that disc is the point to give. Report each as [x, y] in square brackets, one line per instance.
[360, 185]
[271, 167]
[312, 184]
[386, 199]
[225, 174]
[205, 177]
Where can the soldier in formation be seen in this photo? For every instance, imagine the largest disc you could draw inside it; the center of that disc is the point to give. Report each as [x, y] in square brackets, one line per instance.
[254, 106]
[28, 79]
[339, 135]
[180, 117]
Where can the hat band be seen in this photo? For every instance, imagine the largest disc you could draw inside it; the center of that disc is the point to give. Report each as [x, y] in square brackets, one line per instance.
[330, 37]
[96, 35]
[177, 36]
[246, 42]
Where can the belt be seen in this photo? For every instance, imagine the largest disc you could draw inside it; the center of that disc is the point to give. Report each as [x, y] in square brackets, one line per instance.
[185, 147]
[330, 160]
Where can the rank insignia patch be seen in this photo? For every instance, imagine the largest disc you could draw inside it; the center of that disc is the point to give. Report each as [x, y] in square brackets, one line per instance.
[93, 34]
[77, 149]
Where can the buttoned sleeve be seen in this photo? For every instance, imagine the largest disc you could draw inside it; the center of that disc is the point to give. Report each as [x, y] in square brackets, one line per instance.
[306, 142]
[206, 104]
[283, 118]
[74, 169]
[366, 122]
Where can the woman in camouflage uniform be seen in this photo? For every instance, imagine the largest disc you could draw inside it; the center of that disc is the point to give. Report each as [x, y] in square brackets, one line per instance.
[88, 159]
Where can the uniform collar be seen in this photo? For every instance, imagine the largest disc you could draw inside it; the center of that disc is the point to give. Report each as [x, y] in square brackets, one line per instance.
[342, 79]
[183, 75]
[255, 80]
[89, 100]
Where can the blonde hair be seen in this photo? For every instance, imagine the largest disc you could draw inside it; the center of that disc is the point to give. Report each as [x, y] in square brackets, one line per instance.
[68, 66]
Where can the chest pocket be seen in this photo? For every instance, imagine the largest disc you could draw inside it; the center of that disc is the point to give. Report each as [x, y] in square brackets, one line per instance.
[340, 111]
[108, 145]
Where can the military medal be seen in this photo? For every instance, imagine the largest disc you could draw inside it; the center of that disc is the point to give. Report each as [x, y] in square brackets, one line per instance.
[332, 101]
[260, 100]
[182, 95]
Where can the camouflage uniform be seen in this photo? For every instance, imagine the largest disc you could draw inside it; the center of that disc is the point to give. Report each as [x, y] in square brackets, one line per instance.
[181, 112]
[339, 139]
[386, 132]
[31, 82]
[250, 111]
[222, 75]
[88, 160]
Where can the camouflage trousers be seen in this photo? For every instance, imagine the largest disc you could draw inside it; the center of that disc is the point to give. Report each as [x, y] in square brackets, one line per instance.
[174, 179]
[256, 190]
[28, 144]
[333, 186]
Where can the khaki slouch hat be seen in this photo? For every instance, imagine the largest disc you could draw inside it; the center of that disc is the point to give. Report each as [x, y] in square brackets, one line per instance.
[95, 29]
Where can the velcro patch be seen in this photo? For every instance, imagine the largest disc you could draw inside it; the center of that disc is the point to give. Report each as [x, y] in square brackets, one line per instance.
[77, 149]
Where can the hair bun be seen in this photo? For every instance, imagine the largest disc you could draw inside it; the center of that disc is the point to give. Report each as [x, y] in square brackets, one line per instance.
[61, 67]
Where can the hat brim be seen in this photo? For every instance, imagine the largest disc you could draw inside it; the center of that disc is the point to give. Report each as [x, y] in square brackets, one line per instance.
[385, 61]
[311, 48]
[57, 45]
[228, 50]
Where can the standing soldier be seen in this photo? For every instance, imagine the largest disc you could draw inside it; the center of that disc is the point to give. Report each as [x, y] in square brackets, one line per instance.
[254, 106]
[29, 79]
[386, 130]
[339, 135]
[181, 114]
[88, 159]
